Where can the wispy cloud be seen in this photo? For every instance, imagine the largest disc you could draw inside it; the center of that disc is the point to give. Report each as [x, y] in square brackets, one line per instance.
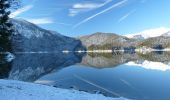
[103, 11]
[65, 24]
[20, 11]
[84, 7]
[126, 15]
[40, 20]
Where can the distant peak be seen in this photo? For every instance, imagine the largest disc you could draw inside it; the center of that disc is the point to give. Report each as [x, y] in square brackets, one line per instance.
[155, 32]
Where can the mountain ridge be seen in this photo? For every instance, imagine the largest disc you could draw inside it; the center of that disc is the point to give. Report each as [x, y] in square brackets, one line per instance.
[155, 32]
[101, 40]
[28, 37]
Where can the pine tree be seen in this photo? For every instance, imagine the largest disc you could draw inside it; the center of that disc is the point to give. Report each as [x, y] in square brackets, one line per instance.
[5, 33]
[5, 26]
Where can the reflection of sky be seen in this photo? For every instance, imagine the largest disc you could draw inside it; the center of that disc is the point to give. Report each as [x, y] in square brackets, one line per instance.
[80, 17]
[130, 82]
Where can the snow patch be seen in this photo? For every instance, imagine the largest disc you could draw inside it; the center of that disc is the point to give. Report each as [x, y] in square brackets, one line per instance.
[16, 90]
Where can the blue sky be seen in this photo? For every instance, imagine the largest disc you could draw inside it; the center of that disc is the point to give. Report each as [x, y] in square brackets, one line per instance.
[81, 17]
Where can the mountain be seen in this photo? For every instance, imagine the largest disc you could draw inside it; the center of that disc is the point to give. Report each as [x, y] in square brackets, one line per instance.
[163, 41]
[108, 41]
[101, 38]
[139, 37]
[28, 37]
[104, 40]
[149, 33]
[166, 34]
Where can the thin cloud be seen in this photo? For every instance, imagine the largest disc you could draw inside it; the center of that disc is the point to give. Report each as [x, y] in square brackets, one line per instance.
[41, 21]
[65, 24]
[126, 15]
[84, 7]
[103, 11]
[20, 11]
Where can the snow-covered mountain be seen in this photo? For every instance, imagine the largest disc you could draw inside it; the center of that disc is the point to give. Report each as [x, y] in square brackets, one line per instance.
[31, 38]
[166, 34]
[149, 33]
[150, 38]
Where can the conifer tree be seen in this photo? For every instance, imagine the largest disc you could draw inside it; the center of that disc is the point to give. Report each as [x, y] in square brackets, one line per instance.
[5, 34]
[5, 26]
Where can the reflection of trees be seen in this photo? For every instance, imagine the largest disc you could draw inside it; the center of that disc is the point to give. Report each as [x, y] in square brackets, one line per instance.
[5, 67]
[106, 55]
[103, 60]
[157, 56]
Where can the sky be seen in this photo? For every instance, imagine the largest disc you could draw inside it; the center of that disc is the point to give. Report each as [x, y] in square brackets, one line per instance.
[81, 17]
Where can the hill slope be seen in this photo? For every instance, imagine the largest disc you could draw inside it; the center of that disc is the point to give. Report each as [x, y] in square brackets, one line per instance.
[29, 37]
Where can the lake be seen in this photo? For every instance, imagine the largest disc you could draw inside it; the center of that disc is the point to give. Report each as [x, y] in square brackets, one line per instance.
[137, 76]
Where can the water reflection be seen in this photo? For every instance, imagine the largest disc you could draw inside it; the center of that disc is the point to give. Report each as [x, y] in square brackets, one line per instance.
[31, 66]
[136, 76]
[117, 74]
[105, 60]
[5, 66]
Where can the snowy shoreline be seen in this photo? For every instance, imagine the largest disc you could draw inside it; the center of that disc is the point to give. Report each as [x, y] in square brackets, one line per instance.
[17, 90]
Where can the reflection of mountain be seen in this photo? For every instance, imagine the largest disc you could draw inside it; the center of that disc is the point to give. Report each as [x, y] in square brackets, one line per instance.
[103, 61]
[30, 67]
[157, 56]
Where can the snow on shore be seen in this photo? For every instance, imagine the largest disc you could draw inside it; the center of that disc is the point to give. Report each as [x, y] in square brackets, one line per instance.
[16, 90]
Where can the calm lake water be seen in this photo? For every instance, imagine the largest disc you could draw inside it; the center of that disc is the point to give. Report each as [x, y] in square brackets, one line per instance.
[130, 75]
